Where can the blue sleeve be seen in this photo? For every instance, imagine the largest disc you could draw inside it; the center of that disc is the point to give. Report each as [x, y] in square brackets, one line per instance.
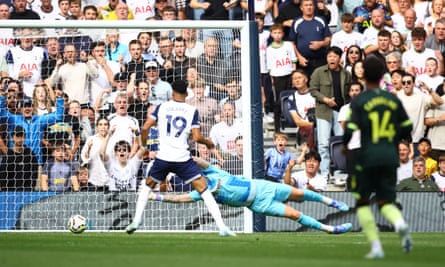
[53, 117]
[196, 118]
[5, 115]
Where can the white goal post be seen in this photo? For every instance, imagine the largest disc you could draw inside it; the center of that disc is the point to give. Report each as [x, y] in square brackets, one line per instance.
[30, 209]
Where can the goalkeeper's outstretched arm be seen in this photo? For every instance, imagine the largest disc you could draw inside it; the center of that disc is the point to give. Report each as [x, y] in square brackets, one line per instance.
[171, 198]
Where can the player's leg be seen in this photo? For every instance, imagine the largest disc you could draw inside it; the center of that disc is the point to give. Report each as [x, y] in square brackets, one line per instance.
[386, 196]
[141, 202]
[190, 172]
[158, 169]
[308, 195]
[269, 201]
[200, 185]
[364, 187]
[308, 221]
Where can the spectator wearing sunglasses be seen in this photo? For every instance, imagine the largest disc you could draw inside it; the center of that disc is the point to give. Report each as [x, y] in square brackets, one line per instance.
[122, 168]
[416, 105]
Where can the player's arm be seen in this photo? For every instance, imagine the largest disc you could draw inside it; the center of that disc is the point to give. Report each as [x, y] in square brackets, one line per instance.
[202, 163]
[197, 136]
[171, 198]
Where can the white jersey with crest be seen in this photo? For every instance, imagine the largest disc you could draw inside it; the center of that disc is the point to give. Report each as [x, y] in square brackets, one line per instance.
[175, 122]
[30, 60]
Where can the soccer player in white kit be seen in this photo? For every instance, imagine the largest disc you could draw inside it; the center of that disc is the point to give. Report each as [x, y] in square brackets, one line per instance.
[176, 120]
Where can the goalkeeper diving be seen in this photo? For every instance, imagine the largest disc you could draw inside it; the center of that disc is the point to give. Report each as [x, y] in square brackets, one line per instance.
[260, 196]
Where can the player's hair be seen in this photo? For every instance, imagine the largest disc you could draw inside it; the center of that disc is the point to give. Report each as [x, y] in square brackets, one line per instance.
[312, 155]
[179, 86]
[418, 32]
[374, 69]
[239, 137]
[441, 158]
[280, 135]
[347, 17]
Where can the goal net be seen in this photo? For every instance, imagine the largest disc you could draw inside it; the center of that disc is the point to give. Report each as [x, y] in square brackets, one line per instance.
[50, 147]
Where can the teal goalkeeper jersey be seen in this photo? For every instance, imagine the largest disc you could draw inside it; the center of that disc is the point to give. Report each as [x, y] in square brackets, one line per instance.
[236, 191]
[382, 121]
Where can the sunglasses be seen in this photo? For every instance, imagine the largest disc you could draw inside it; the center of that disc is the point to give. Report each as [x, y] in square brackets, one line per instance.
[354, 52]
[391, 62]
[121, 150]
[407, 82]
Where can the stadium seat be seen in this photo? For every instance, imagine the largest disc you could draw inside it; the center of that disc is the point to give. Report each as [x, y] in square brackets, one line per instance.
[287, 124]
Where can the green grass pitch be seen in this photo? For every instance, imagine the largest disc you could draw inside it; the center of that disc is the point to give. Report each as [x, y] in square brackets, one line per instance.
[210, 250]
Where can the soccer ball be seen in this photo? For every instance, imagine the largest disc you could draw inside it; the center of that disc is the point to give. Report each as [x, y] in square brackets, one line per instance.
[77, 224]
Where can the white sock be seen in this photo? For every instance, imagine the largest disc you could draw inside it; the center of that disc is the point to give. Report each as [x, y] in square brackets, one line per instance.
[213, 208]
[141, 203]
[376, 246]
[399, 224]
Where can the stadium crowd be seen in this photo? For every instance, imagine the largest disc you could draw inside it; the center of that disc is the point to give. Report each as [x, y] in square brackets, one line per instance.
[64, 90]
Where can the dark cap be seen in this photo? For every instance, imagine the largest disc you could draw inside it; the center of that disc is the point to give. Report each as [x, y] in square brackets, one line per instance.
[18, 130]
[121, 76]
[179, 86]
[424, 139]
[25, 102]
[151, 64]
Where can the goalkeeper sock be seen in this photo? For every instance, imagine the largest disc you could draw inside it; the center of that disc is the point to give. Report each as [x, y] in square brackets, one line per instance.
[213, 208]
[141, 203]
[309, 222]
[309, 195]
[367, 222]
